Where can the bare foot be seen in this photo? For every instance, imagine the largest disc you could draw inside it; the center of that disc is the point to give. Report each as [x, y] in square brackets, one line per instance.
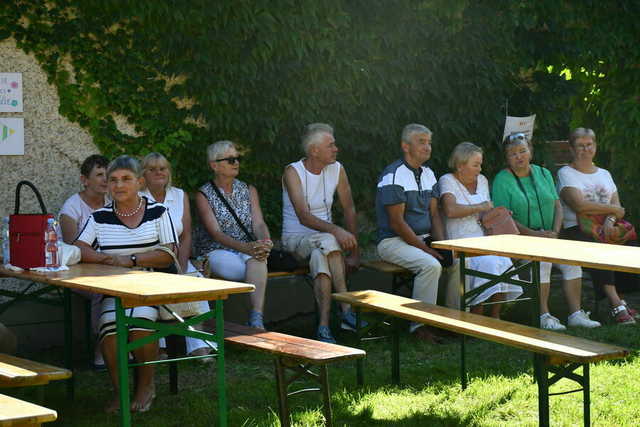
[114, 406]
[143, 399]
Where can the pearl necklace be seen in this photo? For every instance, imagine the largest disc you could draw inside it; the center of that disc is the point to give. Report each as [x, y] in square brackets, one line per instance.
[132, 213]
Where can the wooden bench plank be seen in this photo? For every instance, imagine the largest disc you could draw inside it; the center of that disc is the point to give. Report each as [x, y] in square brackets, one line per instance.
[385, 267]
[303, 349]
[18, 372]
[560, 347]
[15, 412]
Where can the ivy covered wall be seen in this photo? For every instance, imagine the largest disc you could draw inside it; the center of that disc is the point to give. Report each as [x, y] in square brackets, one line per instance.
[143, 75]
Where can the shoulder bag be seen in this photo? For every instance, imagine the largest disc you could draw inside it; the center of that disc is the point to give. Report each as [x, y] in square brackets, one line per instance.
[498, 220]
[593, 226]
[278, 259]
[182, 309]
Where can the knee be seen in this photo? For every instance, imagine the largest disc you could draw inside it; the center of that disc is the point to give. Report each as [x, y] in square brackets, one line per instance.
[431, 265]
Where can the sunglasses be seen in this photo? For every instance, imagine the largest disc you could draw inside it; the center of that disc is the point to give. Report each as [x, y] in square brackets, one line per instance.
[516, 137]
[231, 160]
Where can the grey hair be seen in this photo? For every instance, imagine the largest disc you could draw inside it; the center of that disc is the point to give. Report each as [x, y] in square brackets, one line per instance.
[411, 129]
[154, 158]
[462, 153]
[312, 133]
[218, 148]
[125, 162]
[578, 133]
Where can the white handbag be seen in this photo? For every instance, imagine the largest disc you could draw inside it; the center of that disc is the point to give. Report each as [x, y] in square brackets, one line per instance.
[179, 310]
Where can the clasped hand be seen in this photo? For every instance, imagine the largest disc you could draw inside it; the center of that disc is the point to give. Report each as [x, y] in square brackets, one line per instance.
[260, 249]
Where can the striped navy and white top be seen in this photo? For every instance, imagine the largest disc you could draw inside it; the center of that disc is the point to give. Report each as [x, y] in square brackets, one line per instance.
[104, 230]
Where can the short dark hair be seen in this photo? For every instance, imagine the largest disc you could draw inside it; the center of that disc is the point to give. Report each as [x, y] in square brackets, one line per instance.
[91, 162]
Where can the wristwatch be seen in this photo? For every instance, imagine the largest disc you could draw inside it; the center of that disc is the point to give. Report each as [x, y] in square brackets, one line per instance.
[134, 259]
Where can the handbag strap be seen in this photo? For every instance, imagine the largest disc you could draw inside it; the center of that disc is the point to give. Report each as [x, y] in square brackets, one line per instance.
[35, 190]
[173, 255]
[250, 236]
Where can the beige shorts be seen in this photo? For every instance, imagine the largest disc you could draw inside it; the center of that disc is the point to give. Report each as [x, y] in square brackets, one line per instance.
[315, 247]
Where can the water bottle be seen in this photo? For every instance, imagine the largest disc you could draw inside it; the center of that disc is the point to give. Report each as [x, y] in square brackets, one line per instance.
[51, 246]
[5, 240]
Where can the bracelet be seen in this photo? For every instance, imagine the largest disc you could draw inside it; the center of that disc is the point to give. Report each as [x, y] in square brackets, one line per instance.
[612, 219]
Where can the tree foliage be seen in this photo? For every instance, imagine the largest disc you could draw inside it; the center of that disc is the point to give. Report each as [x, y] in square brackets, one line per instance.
[187, 74]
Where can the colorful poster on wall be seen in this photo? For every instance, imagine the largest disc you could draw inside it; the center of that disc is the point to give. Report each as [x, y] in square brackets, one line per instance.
[11, 93]
[11, 137]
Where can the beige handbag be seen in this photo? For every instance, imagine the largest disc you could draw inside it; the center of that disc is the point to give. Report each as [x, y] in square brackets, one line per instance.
[179, 310]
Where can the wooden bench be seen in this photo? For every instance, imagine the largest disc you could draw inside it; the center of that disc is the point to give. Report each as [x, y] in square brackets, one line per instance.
[295, 355]
[400, 276]
[15, 412]
[555, 353]
[17, 372]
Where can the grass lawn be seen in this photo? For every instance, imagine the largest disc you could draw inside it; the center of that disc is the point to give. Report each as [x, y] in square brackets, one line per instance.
[501, 391]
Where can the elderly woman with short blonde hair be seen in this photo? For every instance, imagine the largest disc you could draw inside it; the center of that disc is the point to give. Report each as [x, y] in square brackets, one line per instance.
[464, 196]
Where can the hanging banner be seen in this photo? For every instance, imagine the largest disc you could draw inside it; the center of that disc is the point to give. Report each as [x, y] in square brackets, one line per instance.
[11, 137]
[519, 124]
[11, 93]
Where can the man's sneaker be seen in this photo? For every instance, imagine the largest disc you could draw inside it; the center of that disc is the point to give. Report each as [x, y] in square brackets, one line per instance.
[547, 321]
[581, 319]
[621, 315]
[632, 312]
[256, 320]
[349, 321]
[324, 335]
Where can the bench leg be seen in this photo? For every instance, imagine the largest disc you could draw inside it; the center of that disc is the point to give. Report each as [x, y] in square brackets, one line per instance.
[326, 395]
[281, 388]
[463, 363]
[543, 390]
[359, 362]
[68, 340]
[175, 347]
[395, 352]
[586, 402]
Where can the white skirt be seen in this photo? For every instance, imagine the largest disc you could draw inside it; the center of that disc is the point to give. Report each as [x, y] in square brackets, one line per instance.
[491, 264]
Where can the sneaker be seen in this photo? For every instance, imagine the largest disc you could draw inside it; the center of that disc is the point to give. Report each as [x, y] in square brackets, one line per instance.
[621, 315]
[632, 312]
[255, 320]
[349, 321]
[581, 319]
[324, 335]
[547, 321]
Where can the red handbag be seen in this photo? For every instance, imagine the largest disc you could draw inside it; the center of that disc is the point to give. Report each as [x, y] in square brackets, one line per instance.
[26, 233]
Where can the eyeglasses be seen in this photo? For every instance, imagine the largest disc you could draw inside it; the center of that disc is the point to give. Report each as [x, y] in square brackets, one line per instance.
[516, 137]
[231, 160]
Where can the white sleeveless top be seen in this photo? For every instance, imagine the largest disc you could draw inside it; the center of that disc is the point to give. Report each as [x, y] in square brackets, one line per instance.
[174, 202]
[318, 191]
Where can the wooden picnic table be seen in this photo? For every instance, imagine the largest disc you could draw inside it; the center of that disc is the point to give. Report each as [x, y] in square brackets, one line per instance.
[532, 251]
[133, 288]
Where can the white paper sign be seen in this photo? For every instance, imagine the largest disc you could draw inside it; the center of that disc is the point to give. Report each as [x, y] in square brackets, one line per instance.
[11, 136]
[11, 93]
[519, 124]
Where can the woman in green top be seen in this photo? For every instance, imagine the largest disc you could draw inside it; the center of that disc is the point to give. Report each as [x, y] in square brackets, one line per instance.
[530, 193]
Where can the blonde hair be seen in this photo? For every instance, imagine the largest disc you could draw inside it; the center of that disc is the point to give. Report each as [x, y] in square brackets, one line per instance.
[154, 158]
[462, 153]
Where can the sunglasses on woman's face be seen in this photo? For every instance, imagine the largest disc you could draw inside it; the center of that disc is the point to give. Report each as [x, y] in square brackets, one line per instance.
[231, 160]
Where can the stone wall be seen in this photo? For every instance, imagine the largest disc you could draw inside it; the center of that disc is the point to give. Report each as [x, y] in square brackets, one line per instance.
[54, 148]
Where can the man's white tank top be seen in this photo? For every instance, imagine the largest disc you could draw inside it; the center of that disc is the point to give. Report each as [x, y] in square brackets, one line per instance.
[318, 191]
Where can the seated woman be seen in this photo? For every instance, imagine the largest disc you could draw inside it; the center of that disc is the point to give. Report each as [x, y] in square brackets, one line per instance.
[75, 212]
[236, 252]
[530, 193]
[587, 189]
[157, 178]
[126, 233]
[464, 195]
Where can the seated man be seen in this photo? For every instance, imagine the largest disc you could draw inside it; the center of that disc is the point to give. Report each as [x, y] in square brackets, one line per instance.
[407, 212]
[307, 229]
